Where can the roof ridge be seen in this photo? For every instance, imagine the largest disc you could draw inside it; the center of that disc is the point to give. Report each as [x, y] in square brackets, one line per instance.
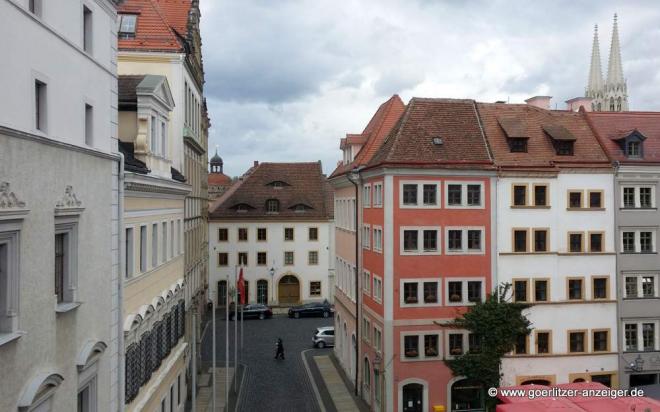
[491, 156]
[404, 120]
[389, 105]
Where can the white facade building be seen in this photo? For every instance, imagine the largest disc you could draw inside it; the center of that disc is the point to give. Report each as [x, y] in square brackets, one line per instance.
[59, 207]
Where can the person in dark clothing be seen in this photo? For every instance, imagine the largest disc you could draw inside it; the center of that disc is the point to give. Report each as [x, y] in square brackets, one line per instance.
[280, 349]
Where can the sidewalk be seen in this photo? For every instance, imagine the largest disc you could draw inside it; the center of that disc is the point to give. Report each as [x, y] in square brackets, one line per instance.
[205, 392]
[341, 397]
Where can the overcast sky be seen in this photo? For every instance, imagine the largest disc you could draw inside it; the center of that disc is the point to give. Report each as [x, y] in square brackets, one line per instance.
[285, 80]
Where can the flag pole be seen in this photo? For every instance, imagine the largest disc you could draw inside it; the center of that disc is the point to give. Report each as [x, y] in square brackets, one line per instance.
[194, 363]
[214, 348]
[227, 340]
[235, 327]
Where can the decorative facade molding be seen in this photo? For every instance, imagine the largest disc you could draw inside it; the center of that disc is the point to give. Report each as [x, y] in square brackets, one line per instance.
[69, 203]
[11, 207]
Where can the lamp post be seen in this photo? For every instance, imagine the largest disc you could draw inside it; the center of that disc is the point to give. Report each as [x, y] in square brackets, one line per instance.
[271, 271]
[354, 177]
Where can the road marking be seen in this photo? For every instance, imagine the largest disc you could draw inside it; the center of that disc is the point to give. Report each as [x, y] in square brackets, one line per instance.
[317, 394]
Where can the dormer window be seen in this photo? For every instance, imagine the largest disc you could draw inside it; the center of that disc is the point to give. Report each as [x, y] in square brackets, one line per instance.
[127, 24]
[518, 145]
[242, 208]
[634, 149]
[631, 143]
[562, 139]
[278, 184]
[301, 208]
[272, 206]
[516, 133]
[564, 148]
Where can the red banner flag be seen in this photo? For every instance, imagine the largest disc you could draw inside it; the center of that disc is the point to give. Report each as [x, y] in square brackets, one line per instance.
[240, 285]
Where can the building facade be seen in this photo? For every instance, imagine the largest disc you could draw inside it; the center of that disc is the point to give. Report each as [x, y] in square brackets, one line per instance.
[163, 38]
[153, 203]
[632, 141]
[611, 94]
[59, 207]
[277, 224]
[555, 243]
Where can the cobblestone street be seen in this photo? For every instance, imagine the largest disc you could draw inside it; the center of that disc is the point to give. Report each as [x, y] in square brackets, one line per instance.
[269, 384]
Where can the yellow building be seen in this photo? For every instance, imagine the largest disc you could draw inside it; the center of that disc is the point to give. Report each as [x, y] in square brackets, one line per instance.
[153, 294]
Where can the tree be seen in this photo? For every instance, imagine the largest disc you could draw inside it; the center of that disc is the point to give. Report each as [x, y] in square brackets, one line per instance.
[497, 323]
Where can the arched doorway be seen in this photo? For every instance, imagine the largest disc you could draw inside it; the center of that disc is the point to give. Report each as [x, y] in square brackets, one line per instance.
[536, 382]
[289, 290]
[412, 396]
[467, 395]
[262, 291]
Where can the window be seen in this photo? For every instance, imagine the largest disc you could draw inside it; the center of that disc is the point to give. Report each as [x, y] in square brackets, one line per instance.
[474, 343]
[366, 236]
[542, 342]
[87, 29]
[520, 347]
[154, 245]
[410, 194]
[366, 195]
[520, 240]
[575, 242]
[430, 194]
[261, 259]
[518, 145]
[223, 235]
[165, 249]
[9, 277]
[431, 348]
[633, 149]
[520, 291]
[313, 233]
[430, 240]
[454, 193]
[410, 292]
[575, 289]
[262, 235]
[130, 265]
[456, 344]
[410, 240]
[474, 291]
[454, 239]
[455, 291]
[378, 194]
[242, 258]
[474, 239]
[66, 261]
[646, 197]
[601, 340]
[313, 257]
[595, 242]
[34, 6]
[40, 105]
[595, 199]
[378, 289]
[86, 399]
[143, 249]
[223, 259]
[564, 148]
[577, 342]
[648, 286]
[378, 239]
[631, 286]
[411, 345]
[272, 206]
[315, 288]
[600, 287]
[540, 195]
[540, 240]
[645, 242]
[430, 292]
[89, 125]
[574, 199]
[127, 24]
[629, 197]
[648, 336]
[163, 139]
[378, 339]
[242, 234]
[628, 240]
[541, 290]
[630, 336]
[474, 195]
[288, 234]
[519, 195]
[366, 282]
[288, 258]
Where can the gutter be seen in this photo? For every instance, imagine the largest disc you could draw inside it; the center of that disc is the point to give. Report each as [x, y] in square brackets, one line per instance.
[120, 286]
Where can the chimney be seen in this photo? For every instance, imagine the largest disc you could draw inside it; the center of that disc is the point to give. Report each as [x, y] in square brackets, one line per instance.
[256, 163]
[575, 103]
[542, 102]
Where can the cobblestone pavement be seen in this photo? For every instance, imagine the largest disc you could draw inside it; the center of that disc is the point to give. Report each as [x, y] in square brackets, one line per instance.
[271, 385]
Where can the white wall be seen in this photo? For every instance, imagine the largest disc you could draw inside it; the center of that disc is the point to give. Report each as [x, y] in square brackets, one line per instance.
[275, 247]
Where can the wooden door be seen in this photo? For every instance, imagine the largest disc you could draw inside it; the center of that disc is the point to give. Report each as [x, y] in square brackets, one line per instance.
[289, 290]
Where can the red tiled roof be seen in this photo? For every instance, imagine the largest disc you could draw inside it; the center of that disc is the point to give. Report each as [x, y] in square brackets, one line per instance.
[454, 121]
[609, 126]
[219, 179]
[305, 184]
[159, 24]
[537, 123]
[375, 132]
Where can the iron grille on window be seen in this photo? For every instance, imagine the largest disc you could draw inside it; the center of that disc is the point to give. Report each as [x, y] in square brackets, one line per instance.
[156, 344]
[182, 322]
[147, 358]
[142, 357]
[132, 368]
[174, 319]
[162, 340]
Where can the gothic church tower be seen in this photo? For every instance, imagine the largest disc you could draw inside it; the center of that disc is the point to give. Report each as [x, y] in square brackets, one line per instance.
[611, 95]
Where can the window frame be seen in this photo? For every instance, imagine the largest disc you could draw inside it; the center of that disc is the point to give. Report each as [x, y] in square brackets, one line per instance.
[87, 31]
[535, 230]
[420, 292]
[582, 289]
[421, 342]
[547, 290]
[320, 288]
[265, 231]
[593, 340]
[377, 246]
[293, 258]
[420, 241]
[242, 230]
[527, 290]
[602, 241]
[366, 195]
[464, 194]
[465, 250]
[639, 285]
[593, 287]
[377, 188]
[293, 234]
[637, 196]
[637, 242]
[310, 261]
[265, 254]
[547, 195]
[513, 195]
[309, 234]
[568, 242]
[226, 232]
[464, 290]
[601, 206]
[536, 341]
[226, 255]
[377, 292]
[69, 225]
[238, 258]
[568, 199]
[10, 238]
[585, 334]
[366, 282]
[513, 239]
[419, 204]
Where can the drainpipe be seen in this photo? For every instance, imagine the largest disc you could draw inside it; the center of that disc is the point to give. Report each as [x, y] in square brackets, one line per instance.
[354, 177]
[120, 281]
[615, 211]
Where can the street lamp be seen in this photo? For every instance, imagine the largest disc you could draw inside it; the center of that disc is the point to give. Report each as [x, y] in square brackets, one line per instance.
[272, 280]
[354, 177]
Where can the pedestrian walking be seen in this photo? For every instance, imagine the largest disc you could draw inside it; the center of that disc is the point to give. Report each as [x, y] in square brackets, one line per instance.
[279, 354]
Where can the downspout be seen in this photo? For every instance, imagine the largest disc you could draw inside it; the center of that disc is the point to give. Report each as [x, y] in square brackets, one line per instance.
[120, 282]
[358, 292]
[619, 337]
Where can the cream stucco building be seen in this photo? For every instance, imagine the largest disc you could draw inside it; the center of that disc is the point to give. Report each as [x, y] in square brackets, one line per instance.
[59, 207]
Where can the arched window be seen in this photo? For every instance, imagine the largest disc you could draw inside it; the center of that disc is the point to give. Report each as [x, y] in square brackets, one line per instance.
[272, 205]
[366, 377]
[467, 395]
[618, 104]
[262, 291]
[611, 104]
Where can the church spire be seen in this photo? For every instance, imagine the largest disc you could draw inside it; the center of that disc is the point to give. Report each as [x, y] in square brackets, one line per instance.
[595, 71]
[615, 69]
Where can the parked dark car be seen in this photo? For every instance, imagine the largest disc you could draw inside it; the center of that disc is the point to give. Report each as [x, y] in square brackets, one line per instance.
[253, 311]
[324, 309]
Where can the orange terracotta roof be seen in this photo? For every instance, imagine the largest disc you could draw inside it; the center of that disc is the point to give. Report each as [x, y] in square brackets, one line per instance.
[374, 133]
[540, 126]
[219, 179]
[161, 24]
[611, 126]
